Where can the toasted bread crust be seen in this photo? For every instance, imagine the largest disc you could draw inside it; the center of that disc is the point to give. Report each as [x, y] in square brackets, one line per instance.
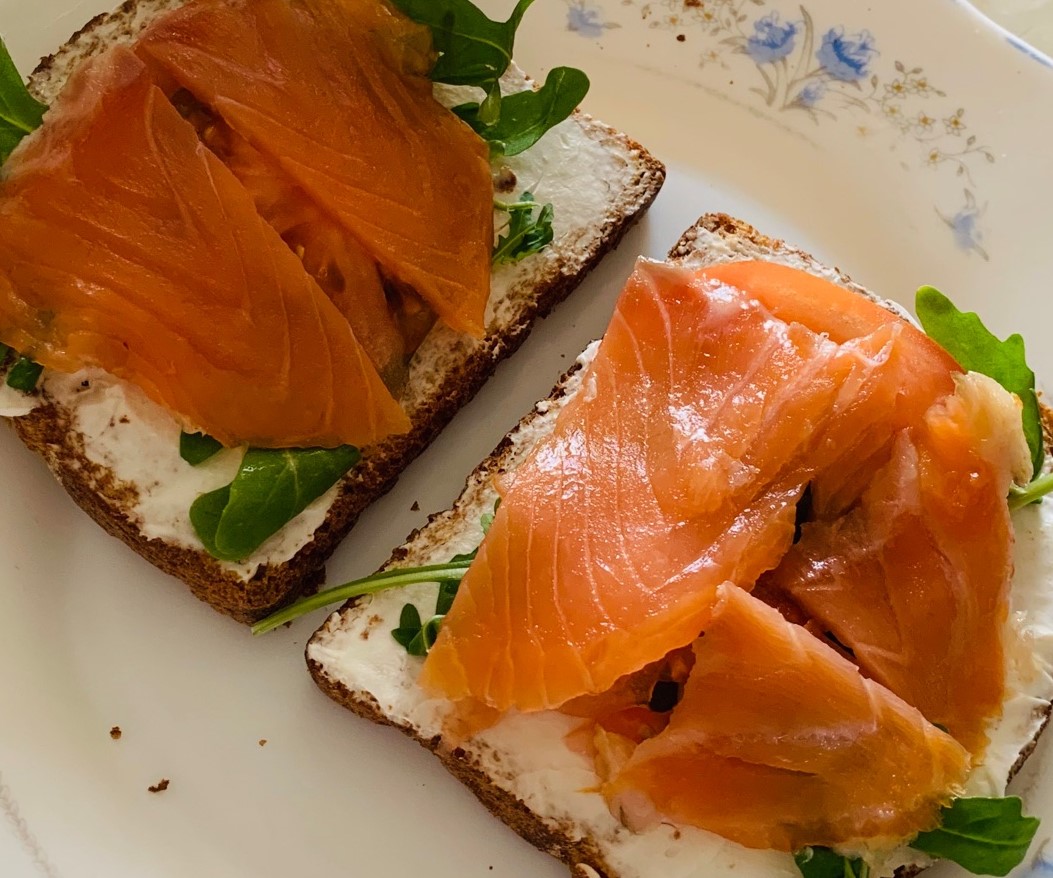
[571, 844]
[559, 841]
[445, 385]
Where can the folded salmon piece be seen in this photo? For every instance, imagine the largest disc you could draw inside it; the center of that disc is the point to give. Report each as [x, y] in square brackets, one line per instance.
[708, 409]
[126, 245]
[335, 94]
[915, 579]
[779, 742]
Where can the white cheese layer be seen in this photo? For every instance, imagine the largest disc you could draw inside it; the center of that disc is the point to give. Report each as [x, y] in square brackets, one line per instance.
[527, 756]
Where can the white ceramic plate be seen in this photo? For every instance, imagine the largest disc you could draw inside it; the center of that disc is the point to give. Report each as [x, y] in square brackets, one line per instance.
[905, 142]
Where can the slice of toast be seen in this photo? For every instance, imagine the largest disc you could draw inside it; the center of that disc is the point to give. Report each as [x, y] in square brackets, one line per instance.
[521, 769]
[117, 454]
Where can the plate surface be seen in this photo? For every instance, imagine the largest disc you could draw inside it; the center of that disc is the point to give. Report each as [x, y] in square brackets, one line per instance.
[906, 143]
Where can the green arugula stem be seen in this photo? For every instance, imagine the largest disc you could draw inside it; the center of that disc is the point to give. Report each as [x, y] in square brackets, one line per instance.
[1030, 493]
[508, 207]
[396, 578]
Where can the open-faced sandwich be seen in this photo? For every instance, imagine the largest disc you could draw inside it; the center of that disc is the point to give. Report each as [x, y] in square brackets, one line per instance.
[255, 254]
[739, 597]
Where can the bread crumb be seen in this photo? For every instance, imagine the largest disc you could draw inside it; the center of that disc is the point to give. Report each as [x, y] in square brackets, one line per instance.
[415, 507]
[116, 733]
[505, 180]
[263, 742]
[681, 37]
[160, 786]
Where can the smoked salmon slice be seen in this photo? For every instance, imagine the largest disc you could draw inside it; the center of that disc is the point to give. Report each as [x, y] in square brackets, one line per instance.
[677, 467]
[337, 262]
[780, 743]
[109, 217]
[915, 579]
[334, 93]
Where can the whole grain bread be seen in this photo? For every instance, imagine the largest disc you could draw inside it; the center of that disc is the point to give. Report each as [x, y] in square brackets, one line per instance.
[356, 662]
[445, 373]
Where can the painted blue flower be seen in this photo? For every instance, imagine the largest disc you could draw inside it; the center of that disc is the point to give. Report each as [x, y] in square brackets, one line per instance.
[967, 235]
[811, 94]
[584, 20]
[771, 39]
[846, 57]
[965, 226]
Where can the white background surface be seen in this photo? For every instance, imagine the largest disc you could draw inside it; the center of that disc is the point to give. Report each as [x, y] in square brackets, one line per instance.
[95, 637]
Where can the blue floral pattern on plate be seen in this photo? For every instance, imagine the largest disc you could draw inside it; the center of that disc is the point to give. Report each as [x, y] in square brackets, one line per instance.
[587, 19]
[831, 73]
[846, 58]
[1040, 866]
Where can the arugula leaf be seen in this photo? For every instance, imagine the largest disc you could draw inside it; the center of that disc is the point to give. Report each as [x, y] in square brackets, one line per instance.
[24, 375]
[526, 233]
[976, 348]
[473, 49]
[20, 112]
[416, 638]
[397, 577]
[448, 591]
[448, 576]
[271, 488]
[206, 513]
[409, 626]
[196, 448]
[819, 862]
[1032, 492]
[984, 836]
[528, 115]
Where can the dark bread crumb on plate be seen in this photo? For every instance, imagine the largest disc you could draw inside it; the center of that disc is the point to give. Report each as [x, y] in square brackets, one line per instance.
[116, 733]
[160, 786]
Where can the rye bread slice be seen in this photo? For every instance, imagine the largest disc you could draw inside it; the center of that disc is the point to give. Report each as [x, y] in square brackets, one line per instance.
[355, 661]
[445, 373]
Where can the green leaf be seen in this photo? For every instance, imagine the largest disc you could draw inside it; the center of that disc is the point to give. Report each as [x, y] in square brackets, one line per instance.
[24, 375]
[206, 512]
[409, 626]
[1034, 491]
[412, 633]
[20, 112]
[196, 448]
[819, 862]
[271, 488]
[473, 49]
[527, 232]
[984, 836]
[489, 111]
[397, 577]
[976, 348]
[447, 592]
[528, 115]
[424, 639]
